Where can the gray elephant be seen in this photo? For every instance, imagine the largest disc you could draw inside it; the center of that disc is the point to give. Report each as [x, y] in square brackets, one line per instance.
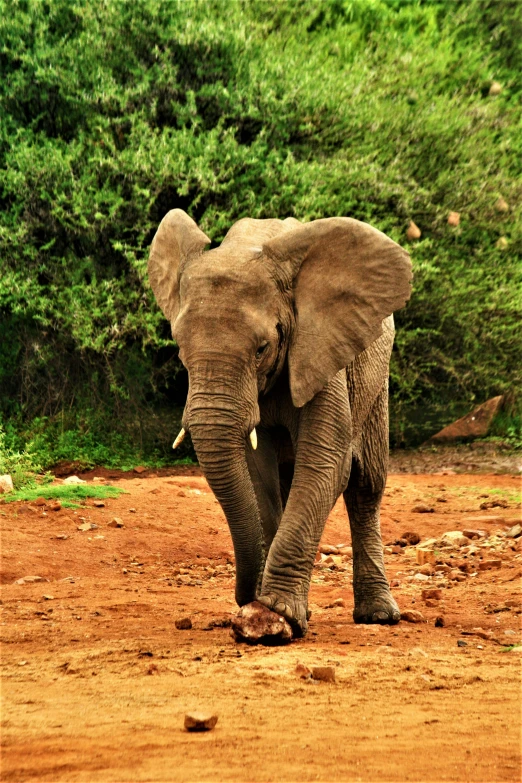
[286, 331]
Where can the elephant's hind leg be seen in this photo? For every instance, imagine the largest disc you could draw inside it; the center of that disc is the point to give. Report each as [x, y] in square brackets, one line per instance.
[374, 602]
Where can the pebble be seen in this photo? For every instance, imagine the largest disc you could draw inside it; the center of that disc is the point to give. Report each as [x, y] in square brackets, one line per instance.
[139, 469]
[328, 549]
[495, 89]
[440, 622]
[488, 565]
[6, 483]
[30, 580]
[474, 534]
[74, 480]
[40, 502]
[323, 673]
[87, 526]
[98, 504]
[461, 643]
[422, 508]
[454, 538]
[414, 231]
[434, 593]
[426, 569]
[183, 624]
[412, 616]
[421, 577]
[62, 537]
[200, 721]
[303, 671]
[48, 597]
[55, 505]
[411, 538]
[514, 532]
[453, 219]
[424, 555]
[115, 522]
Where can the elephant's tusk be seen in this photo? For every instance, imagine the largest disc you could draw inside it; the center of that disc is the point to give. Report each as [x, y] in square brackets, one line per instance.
[253, 439]
[179, 439]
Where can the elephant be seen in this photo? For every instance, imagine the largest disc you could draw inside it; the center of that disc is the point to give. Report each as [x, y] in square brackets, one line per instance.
[286, 330]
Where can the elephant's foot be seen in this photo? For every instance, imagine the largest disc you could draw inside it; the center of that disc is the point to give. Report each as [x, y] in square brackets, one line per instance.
[380, 609]
[294, 611]
[255, 624]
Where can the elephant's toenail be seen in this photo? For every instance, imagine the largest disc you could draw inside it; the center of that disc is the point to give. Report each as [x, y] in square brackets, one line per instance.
[378, 616]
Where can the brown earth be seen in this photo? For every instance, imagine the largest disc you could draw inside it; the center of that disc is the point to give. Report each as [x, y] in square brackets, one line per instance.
[97, 679]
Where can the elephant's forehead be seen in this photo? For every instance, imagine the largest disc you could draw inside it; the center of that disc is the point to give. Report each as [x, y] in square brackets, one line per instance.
[220, 275]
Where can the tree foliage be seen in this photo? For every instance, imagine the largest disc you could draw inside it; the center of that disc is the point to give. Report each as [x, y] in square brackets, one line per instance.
[114, 112]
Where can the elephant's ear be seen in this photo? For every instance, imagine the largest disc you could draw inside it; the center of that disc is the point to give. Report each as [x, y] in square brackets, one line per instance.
[348, 277]
[177, 239]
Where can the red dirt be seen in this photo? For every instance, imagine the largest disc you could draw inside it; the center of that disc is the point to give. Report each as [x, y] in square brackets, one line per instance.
[97, 679]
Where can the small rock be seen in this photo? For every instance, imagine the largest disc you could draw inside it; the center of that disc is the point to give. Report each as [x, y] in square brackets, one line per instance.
[429, 602]
[413, 231]
[183, 624]
[474, 534]
[514, 532]
[442, 500]
[99, 479]
[61, 536]
[338, 602]
[346, 551]
[152, 669]
[434, 593]
[139, 469]
[502, 243]
[501, 205]
[412, 616]
[425, 556]
[396, 549]
[495, 89]
[323, 673]
[98, 504]
[40, 502]
[255, 623]
[497, 503]
[488, 565]
[6, 483]
[422, 508]
[453, 218]
[456, 576]
[427, 569]
[303, 671]
[200, 721]
[30, 580]
[440, 622]
[421, 577]
[87, 526]
[74, 480]
[411, 538]
[132, 510]
[454, 538]
[333, 561]
[395, 583]
[55, 505]
[461, 643]
[48, 597]
[115, 522]
[328, 549]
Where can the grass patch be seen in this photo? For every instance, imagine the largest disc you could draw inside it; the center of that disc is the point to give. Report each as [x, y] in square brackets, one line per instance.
[69, 496]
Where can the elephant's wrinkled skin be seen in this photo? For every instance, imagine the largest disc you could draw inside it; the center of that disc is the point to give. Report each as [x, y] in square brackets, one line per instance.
[287, 328]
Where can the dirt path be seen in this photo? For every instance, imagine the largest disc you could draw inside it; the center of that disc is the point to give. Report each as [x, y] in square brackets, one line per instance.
[96, 678]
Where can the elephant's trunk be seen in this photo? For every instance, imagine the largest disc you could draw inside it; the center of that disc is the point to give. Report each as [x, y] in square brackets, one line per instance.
[219, 427]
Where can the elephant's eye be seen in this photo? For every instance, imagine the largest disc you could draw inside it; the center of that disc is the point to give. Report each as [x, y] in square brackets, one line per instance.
[260, 351]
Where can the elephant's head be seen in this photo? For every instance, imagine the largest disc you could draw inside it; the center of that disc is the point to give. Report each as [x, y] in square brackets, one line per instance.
[275, 294]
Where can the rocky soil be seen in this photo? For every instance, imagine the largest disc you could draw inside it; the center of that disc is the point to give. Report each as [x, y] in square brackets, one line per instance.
[113, 632]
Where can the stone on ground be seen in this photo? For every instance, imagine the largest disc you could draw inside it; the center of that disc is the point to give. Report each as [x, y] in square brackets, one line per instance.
[256, 624]
[323, 673]
[200, 721]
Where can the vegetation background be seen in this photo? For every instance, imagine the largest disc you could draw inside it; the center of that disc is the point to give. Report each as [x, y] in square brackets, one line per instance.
[112, 113]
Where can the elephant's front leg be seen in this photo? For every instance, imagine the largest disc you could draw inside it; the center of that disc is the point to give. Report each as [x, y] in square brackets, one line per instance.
[321, 473]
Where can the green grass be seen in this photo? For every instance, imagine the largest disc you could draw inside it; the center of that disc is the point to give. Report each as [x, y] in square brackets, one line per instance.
[67, 495]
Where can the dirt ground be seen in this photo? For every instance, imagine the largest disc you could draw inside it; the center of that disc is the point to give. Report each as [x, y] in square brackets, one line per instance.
[97, 679]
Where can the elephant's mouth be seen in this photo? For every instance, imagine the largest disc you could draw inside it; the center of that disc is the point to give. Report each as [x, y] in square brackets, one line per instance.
[181, 437]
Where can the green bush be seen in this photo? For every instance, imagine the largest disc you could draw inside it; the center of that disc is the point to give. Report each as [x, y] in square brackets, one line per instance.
[113, 113]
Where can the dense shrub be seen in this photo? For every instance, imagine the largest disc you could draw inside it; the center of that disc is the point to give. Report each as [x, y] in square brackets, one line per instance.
[113, 113]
